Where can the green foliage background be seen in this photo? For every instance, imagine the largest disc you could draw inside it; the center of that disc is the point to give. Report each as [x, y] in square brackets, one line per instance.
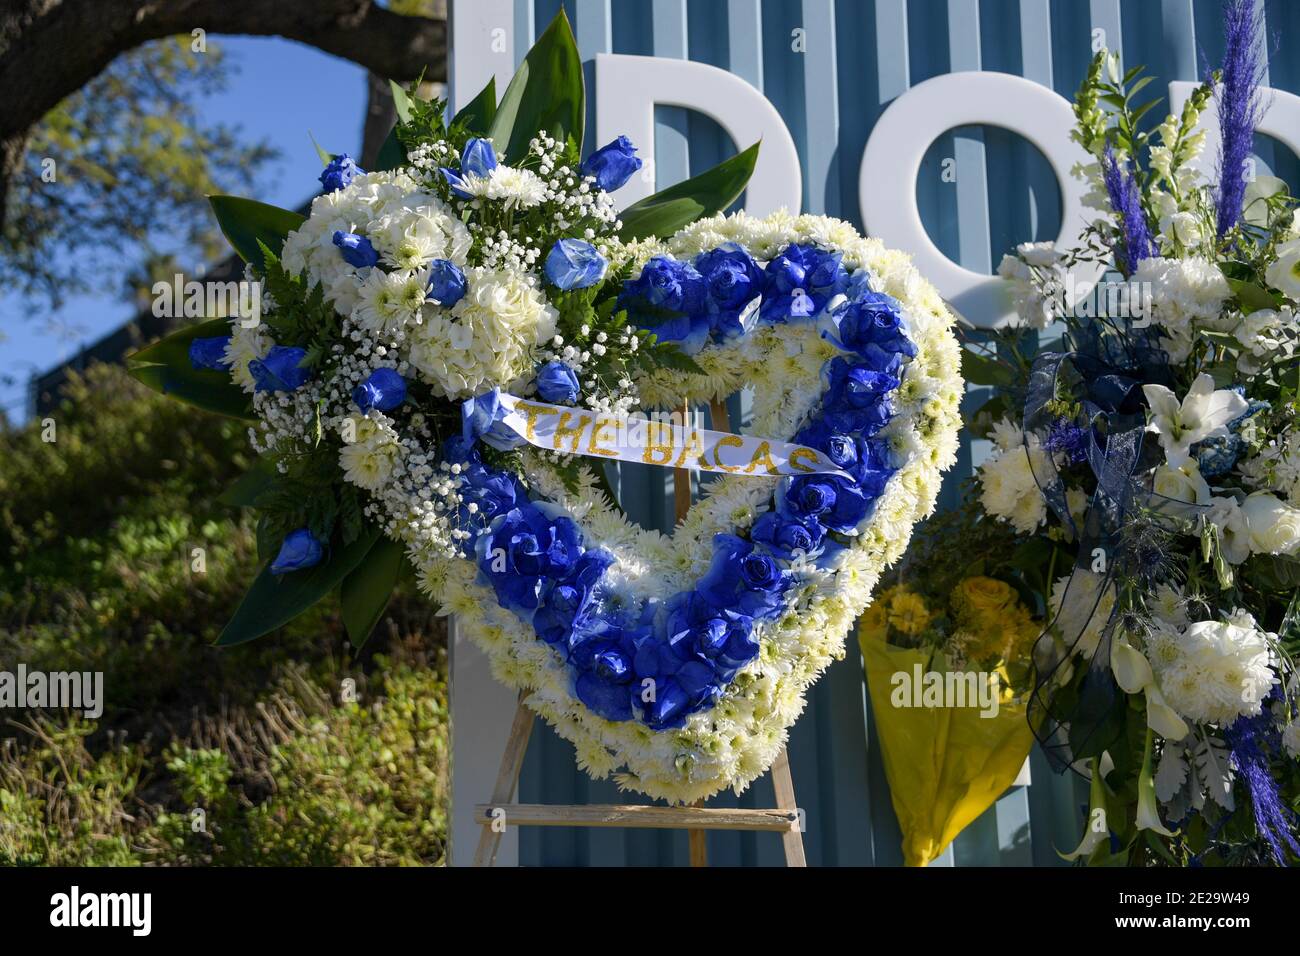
[97, 531]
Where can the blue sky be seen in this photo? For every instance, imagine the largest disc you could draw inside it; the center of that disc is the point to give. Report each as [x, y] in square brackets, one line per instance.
[278, 91]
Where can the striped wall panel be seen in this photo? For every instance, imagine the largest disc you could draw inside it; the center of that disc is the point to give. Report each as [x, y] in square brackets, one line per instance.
[860, 55]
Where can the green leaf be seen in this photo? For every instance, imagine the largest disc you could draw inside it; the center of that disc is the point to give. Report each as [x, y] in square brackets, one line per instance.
[392, 153]
[366, 591]
[401, 102]
[325, 157]
[478, 113]
[981, 370]
[1273, 572]
[274, 600]
[546, 93]
[245, 490]
[247, 222]
[704, 195]
[165, 367]
[1251, 296]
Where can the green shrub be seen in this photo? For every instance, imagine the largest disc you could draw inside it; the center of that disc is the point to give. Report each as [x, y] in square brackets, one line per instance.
[97, 531]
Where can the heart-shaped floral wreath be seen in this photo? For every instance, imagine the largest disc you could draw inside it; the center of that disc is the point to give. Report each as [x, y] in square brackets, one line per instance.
[401, 326]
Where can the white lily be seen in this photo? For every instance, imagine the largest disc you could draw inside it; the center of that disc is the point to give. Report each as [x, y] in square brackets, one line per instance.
[1203, 413]
[1284, 273]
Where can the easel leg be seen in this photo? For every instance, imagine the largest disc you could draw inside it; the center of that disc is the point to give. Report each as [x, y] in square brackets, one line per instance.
[783, 783]
[699, 843]
[512, 762]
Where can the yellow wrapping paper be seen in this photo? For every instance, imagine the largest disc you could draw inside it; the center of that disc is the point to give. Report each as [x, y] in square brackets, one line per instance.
[945, 765]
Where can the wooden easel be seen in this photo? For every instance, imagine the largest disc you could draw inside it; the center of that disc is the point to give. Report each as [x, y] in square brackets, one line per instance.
[696, 819]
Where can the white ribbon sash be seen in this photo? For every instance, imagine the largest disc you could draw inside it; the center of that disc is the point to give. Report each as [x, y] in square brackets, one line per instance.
[670, 443]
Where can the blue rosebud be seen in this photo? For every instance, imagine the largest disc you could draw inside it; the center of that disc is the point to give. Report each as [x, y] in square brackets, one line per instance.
[300, 549]
[457, 183]
[483, 417]
[557, 383]
[478, 158]
[383, 389]
[210, 353]
[446, 283]
[356, 250]
[574, 264]
[280, 371]
[613, 164]
[339, 173]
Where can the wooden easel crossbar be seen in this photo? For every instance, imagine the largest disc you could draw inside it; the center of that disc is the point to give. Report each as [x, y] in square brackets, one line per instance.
[695, 819]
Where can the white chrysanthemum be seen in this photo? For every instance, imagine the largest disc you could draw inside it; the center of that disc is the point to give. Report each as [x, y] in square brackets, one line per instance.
[368, 465]
[487, 338]
[510, 185]
[1009, 491]
[1184, 293]
[388, 301]
[245, 345]
[1081, 620]
[1217, 671]
[411, 237]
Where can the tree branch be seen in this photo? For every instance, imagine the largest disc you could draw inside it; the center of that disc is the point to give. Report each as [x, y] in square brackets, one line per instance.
[49, 49]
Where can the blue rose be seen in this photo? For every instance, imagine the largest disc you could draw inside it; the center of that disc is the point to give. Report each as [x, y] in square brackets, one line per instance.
[733, 280]
[339, 172]
[483, 417]
[741, 579]
[524, 552]
[786, 536]
[446, 283]
[665, 283]
[280, 371]
[478, 158]
[856, 400]
[799, 283]
[574, 264]
[613, 164]
[491, 493]
[731, 274]
[383, 389]
[356, 250]
[210, 353]
[837, 503]
[570, 604]
[856, 386]
[557, 383]
[670, 299]
[300, 550]
[871, 325]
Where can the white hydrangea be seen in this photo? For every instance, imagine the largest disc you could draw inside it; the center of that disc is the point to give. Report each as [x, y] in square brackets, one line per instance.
[485, 339]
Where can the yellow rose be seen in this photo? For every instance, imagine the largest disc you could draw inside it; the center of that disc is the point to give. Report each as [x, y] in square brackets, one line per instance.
[981, 597]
